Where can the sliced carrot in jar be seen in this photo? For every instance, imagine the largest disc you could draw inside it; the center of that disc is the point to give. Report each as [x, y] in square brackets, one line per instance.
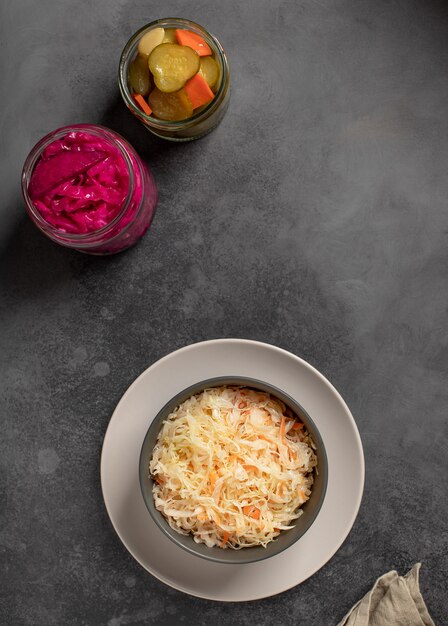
[198, 91]
[194, 41]
[142, 104]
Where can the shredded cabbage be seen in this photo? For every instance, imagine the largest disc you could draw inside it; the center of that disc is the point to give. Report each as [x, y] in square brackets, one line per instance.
[232, 466]
[80, 183]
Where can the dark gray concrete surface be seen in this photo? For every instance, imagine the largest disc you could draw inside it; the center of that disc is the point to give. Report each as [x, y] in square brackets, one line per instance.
[315, 218]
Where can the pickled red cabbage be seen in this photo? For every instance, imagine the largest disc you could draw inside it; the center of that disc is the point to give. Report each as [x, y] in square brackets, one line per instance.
[80, 183]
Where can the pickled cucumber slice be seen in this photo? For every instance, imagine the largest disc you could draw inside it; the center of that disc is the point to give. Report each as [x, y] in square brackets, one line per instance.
[139, 76]
[170, 106]
[172, 65]
[149, 41]
[170, 36]
[210, 71]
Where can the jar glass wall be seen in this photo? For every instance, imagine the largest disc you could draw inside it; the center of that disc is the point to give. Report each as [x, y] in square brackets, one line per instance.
[206, 118]
[65, 225]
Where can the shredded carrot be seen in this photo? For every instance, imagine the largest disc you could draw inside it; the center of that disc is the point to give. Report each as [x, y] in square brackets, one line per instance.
[283, 427]
[193, 40]
[250, 467]
[297, 426]
[213, 478]
[251, 511]
[142, 103]
[198, 91]
[255, 513]
[242, 405]
[225, 539]
[217, 495]
[265, 438]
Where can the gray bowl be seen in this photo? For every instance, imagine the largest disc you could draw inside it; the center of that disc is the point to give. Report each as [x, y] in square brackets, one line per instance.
[246, 555]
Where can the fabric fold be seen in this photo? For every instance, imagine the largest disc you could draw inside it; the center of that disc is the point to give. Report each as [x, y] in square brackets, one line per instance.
[393, 601]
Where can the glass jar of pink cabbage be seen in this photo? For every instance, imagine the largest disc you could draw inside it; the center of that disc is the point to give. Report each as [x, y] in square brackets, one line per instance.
[86, 188]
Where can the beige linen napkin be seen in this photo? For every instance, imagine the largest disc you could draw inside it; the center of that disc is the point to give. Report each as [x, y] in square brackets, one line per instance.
[393, 601]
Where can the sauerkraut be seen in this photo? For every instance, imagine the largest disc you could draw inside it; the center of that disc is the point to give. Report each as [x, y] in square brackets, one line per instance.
[232, 466]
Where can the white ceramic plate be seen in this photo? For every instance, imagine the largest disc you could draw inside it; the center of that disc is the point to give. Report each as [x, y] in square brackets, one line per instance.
[120, 481]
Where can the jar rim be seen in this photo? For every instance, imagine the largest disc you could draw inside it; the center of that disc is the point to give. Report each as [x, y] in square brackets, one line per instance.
[125, 58]
[33, 157]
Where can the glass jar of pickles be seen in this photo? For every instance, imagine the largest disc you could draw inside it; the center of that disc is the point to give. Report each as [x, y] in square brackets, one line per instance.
[174, 77]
